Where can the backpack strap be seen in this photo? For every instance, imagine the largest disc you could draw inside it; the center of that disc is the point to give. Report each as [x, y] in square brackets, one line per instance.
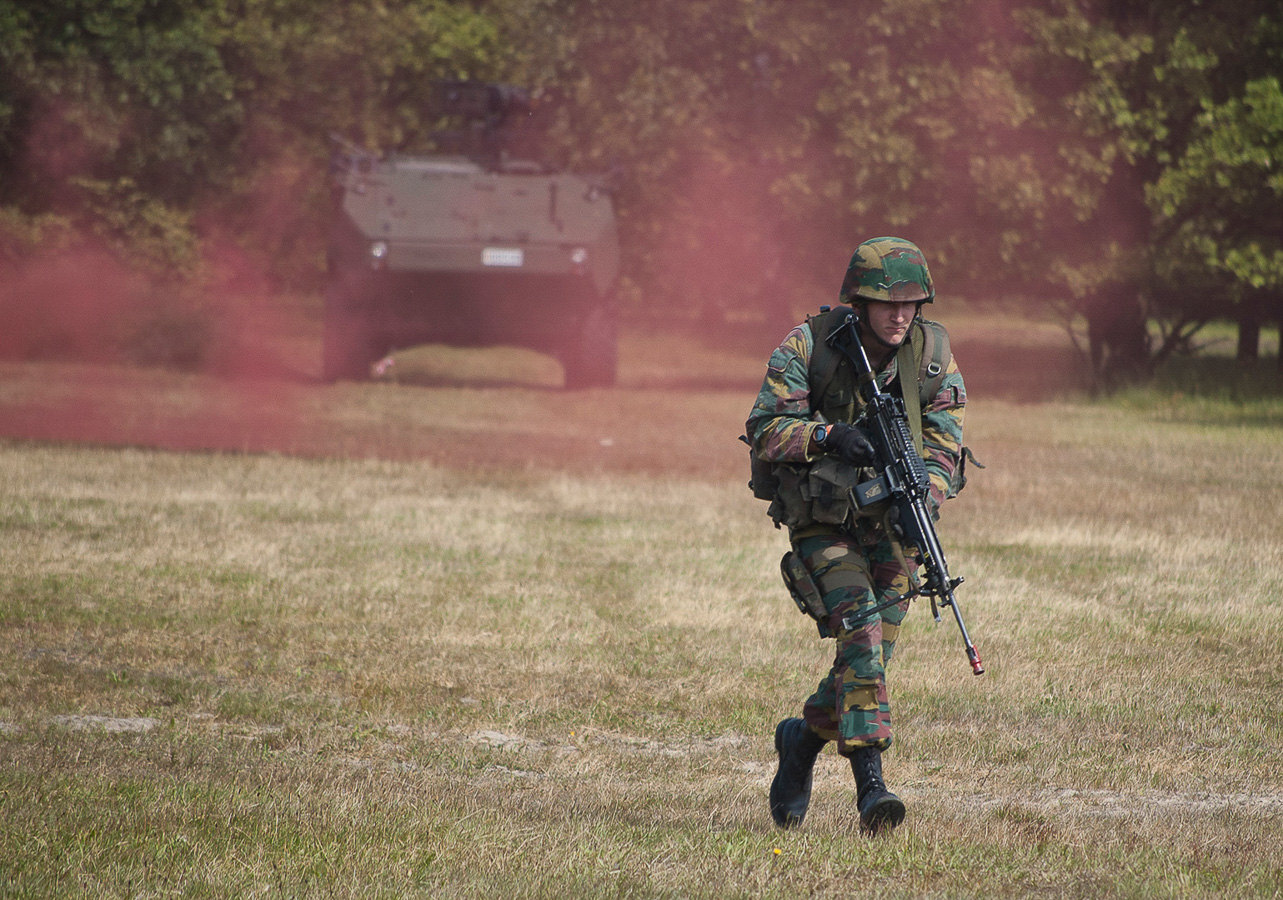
[931, 359]
[824, 359]
[926, 352]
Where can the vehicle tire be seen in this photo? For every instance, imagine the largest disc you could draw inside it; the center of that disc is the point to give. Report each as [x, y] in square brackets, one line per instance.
[347, 341]
[592, 359]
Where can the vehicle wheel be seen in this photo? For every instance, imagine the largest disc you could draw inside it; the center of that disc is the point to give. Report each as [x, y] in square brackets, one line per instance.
[592, 360]
[347, 344]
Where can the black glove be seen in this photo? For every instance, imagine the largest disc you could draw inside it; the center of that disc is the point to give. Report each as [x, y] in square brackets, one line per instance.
[848, 443]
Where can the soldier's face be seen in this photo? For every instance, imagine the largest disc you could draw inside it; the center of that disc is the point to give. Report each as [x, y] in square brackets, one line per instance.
[890, 322]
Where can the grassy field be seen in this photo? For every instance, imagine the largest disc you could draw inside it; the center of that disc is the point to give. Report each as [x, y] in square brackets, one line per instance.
[482, 638]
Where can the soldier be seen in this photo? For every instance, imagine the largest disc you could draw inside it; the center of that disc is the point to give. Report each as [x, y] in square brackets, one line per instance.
[805, 424]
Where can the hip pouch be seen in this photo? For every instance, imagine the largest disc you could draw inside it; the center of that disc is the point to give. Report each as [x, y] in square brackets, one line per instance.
[804, 591]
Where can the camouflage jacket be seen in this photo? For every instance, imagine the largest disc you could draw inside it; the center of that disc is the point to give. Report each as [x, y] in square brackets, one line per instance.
[782, 420]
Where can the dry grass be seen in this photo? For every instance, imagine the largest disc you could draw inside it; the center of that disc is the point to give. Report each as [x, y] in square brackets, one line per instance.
[541, 654]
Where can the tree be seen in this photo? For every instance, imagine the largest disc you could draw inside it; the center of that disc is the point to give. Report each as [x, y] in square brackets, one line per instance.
[1220, 208]
[771, 137]
[117, 116]
[667, 95]
[1117, 159]
[180, 147]
[1172, 104]
[150, 123]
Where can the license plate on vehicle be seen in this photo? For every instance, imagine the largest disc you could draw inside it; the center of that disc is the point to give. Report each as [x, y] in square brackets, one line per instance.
[512, 257]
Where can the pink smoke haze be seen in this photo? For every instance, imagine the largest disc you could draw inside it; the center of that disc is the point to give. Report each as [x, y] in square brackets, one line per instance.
[64, 321]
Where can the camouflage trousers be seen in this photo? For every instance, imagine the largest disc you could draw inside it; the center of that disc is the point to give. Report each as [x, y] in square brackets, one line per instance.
[851, 704]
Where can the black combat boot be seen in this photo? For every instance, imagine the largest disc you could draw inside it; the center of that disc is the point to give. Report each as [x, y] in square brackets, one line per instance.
[879, 808]
[797, 746]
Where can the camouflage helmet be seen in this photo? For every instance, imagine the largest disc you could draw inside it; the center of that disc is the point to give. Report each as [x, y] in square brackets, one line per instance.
[889, 269]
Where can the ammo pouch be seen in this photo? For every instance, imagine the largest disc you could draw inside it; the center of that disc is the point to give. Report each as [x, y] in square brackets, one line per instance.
[762, 480]
[821, 493]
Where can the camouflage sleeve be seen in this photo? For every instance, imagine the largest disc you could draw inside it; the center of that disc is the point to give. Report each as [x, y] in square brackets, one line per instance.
[942, 432]
[780, 424]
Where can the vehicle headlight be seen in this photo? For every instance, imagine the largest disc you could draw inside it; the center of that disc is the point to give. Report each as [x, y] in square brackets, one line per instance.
[379, 252]
[579, 256]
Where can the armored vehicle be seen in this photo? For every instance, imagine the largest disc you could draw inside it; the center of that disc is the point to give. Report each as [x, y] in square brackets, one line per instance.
[471, 246]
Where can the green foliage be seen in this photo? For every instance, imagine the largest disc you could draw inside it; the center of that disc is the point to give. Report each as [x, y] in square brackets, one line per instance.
[1184, 98]
[1223, 197]
[139, 224]
[1022, 147]
[130, 89]
[156, 125]
[26, 235]
[365, 71]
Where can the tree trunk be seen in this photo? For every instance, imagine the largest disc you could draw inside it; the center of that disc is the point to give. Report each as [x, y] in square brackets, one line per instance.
[1116, 333]
[1274, 305]
[1249, 338]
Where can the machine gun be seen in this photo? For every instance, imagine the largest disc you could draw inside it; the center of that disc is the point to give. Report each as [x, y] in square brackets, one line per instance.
[902, 478]
[494, 125]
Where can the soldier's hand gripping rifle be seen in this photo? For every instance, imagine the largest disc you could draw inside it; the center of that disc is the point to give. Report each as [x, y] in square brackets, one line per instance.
[902, 477]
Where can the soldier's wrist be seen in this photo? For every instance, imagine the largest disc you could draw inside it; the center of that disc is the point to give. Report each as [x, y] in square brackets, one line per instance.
[819, 434]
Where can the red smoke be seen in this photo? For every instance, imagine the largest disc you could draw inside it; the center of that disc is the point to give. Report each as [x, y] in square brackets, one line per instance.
[77, 330]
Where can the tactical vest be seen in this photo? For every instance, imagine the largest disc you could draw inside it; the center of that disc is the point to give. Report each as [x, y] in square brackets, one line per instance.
[818, 492]
[831, 376]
